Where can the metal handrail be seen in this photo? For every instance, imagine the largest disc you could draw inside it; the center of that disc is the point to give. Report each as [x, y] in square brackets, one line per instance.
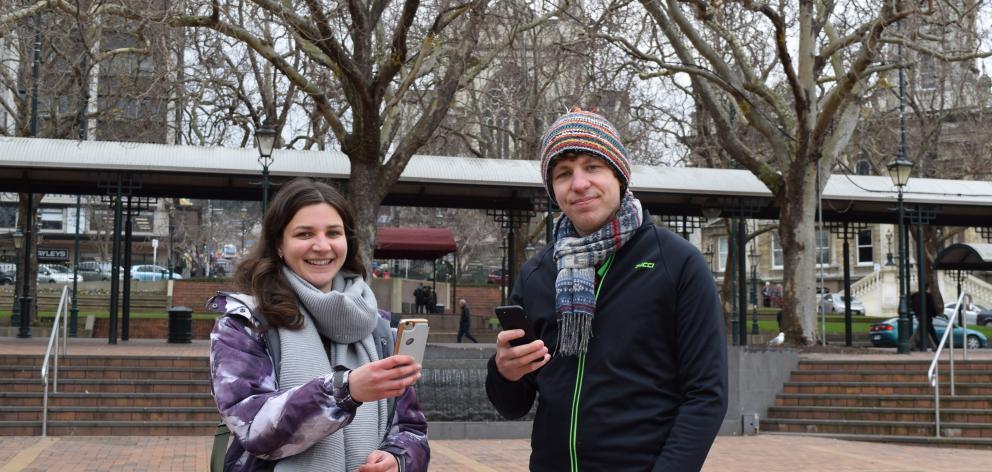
[933, 375]
[53, 340]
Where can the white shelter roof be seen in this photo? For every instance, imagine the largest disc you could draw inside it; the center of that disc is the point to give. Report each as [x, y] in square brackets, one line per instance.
[66, 166]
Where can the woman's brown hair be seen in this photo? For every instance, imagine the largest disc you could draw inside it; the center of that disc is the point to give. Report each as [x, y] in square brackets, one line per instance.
[260, 273]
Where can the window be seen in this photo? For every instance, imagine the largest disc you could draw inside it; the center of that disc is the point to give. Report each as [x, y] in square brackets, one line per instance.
[777, 256]
[927, 72]
[8, 216]
[822, 249]
[51, 218]
[721, 254]
[865, 256]
[862, 167]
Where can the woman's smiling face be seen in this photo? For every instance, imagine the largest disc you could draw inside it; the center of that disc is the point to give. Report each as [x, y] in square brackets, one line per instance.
[314, 246]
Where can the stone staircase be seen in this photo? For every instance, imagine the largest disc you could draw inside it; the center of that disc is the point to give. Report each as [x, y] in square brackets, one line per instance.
[109, 396]
[885, 401]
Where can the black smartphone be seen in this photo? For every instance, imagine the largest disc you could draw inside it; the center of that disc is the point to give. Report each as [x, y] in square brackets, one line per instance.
[513, 317]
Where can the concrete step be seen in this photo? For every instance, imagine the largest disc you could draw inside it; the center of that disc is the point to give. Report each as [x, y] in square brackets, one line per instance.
[880, 376]
[979, 402]
[452, 336]
[885, 388]
[109, 400]
[107, 373]
[110, 428]
[953, 442]
[118, 386]
[908, 365]
[99, 413]
[880, 428]
[950, 415]
[144, 362]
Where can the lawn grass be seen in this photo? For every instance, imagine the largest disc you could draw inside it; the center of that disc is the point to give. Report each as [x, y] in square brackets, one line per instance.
[858, 325]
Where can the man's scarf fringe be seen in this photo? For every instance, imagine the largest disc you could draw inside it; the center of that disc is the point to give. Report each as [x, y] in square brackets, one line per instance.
[577, 258]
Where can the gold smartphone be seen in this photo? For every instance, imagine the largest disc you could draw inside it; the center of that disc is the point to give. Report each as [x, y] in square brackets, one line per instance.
[411, 338]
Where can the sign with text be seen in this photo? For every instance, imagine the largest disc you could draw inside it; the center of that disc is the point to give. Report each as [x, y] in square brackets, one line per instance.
[50, 254]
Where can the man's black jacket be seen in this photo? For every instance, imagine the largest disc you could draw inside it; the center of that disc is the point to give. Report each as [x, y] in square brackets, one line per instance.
[654, 388]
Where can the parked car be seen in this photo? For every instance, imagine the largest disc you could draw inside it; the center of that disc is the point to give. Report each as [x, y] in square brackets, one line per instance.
[494, 277]
[984, 318]
[7, 278]
[147, 272]
[886, 333]
[834, 303]
[970, 313]
[93, 270]
[55, 274]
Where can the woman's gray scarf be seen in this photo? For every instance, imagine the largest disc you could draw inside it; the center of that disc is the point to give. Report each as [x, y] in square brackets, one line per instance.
[346, 316]
[577, 258]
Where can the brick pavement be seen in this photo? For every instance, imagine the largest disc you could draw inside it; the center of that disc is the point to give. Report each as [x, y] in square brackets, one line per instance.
[765, 453]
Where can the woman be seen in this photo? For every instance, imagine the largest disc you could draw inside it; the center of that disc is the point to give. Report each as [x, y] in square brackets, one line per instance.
[298, 364]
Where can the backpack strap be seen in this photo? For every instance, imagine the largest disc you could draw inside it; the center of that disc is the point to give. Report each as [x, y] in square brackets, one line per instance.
[222, 437]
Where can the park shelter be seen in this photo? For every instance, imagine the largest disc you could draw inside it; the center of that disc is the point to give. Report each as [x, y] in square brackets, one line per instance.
[427, 244]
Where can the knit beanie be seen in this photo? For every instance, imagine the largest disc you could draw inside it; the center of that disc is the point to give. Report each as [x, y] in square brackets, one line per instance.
[584, 131]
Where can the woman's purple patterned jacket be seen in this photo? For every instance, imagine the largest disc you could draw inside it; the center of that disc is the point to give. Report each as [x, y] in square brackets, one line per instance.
[269, 423]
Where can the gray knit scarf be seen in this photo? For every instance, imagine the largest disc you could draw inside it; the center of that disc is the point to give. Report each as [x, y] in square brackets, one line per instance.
[346, 316]
[577, 258]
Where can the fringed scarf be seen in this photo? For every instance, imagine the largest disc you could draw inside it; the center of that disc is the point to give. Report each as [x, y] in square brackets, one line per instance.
[577, 258]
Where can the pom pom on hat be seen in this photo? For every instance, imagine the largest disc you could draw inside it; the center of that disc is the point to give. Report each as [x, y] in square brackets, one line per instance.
[580, 131]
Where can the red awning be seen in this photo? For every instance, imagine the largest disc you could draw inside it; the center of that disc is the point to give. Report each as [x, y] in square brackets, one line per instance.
[413, 243]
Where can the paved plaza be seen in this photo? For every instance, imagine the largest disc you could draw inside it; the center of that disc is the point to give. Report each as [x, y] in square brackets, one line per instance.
[765, 453]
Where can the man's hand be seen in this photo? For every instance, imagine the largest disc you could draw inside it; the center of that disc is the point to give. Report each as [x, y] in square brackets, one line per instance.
[379, 461]
[513, 362]
[382, 379]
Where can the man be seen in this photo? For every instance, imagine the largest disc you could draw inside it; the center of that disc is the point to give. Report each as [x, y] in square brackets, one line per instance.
[629, 367]
[464, 322]
[418, 297]
[430, 300]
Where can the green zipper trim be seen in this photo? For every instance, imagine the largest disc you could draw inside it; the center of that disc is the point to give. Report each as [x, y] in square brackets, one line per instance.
[573, 454]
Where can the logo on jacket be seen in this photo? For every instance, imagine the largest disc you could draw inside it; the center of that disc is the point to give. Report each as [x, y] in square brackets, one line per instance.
[644, 265]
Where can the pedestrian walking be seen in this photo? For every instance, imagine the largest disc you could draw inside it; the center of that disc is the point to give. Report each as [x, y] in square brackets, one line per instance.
[464, 322]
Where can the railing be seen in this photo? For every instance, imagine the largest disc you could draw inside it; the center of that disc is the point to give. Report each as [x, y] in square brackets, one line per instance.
[865, 284]
[53, 341]
[934, 373]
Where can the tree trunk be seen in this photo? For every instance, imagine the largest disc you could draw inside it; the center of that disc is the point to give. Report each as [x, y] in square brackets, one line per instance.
[365, 193]
[798, 238]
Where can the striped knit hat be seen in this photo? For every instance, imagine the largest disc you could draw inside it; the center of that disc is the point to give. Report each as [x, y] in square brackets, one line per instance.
[583, 131]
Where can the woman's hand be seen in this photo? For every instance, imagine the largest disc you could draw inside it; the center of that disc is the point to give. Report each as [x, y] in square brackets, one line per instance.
[379, 461]
[383, 379]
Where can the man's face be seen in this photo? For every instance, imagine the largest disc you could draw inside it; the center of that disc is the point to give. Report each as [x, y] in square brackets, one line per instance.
[587, 190]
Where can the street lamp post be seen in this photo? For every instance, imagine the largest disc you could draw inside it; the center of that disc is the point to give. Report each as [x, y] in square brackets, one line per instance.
[708, 254]
[24, 240]
[753, 256]
[244, 228]
[899, 170]
[502, 273]
[265, 139]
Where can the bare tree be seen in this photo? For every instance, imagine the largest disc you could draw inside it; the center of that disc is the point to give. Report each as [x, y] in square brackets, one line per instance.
[397, 66]
[781, 84]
